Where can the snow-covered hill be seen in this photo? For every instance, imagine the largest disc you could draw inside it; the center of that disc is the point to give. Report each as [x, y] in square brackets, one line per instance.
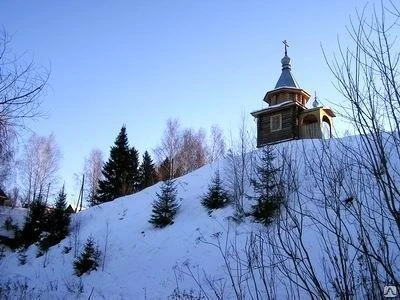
[145, 263]
[140, 260]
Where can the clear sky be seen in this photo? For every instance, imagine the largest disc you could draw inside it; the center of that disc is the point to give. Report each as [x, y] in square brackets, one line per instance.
[142, 62]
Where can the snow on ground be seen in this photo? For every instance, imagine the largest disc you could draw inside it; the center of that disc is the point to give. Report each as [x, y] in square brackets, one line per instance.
[140, 259]
[16, 214]
[141, 262]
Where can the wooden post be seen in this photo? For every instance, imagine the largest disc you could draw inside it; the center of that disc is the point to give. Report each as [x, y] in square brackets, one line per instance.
[80, 197]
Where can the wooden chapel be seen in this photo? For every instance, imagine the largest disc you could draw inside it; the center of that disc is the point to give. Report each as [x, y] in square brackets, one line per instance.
[287, 116]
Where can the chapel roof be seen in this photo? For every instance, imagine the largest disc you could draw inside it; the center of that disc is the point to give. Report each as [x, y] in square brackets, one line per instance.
[286, 79]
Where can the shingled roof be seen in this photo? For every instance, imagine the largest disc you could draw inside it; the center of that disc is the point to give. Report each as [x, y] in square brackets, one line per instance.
[286, 79]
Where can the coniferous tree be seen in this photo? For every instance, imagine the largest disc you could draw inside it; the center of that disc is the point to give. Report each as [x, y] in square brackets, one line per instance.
[120, 172]
[59, 217]
[35, 222]
[89, 259]
[58, 220]
[164, 170]
[165, 206]
[134, 178]
[147, 171]
[268, 188]
[217, 196]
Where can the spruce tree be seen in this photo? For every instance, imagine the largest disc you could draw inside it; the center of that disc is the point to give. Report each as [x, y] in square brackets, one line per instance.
[165, 206]
[164, 170]
[216, 196]
[268, 188]
[120, 172]
[167, 170]
[147, 172]
[58, 220]
[133, 167]
[89, 258]
[35, 222]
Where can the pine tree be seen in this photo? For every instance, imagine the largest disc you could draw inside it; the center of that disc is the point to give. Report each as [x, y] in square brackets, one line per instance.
[268, 188]
[165, 206]
[89, 259]
[147, 171]
[120, 172]
[58, 220]
[217, 196]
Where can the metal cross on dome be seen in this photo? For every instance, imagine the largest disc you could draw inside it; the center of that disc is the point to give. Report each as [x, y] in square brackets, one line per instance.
[286, 46]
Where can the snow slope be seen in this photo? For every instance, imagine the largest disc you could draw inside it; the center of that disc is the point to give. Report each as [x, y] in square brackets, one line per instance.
[142, 262]
[140, 259]
[17, 215]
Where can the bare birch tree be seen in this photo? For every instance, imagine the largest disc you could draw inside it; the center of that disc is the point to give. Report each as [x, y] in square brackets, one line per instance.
[92, 170]
[368, 76]
[240, 166]
[217, 147]
[39, 167]
[184, 150]
[170, 145]
[193, 151]
[21, 86]
[7, 154]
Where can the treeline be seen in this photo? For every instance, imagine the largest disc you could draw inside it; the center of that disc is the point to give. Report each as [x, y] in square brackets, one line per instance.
[34, 174]
[122, 174]
[180, 152]
[44, 226]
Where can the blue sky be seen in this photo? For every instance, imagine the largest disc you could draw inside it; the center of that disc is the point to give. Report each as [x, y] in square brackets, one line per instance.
[141, 62]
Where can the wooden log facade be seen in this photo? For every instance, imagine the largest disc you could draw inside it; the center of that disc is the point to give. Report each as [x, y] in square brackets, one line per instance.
[266, 134]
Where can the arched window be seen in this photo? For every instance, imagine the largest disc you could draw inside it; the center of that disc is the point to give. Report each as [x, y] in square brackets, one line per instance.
[326, 128]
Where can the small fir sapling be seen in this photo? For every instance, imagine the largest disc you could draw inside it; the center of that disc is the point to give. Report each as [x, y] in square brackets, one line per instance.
[165, 206]
[216, 196]
[89, 259]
